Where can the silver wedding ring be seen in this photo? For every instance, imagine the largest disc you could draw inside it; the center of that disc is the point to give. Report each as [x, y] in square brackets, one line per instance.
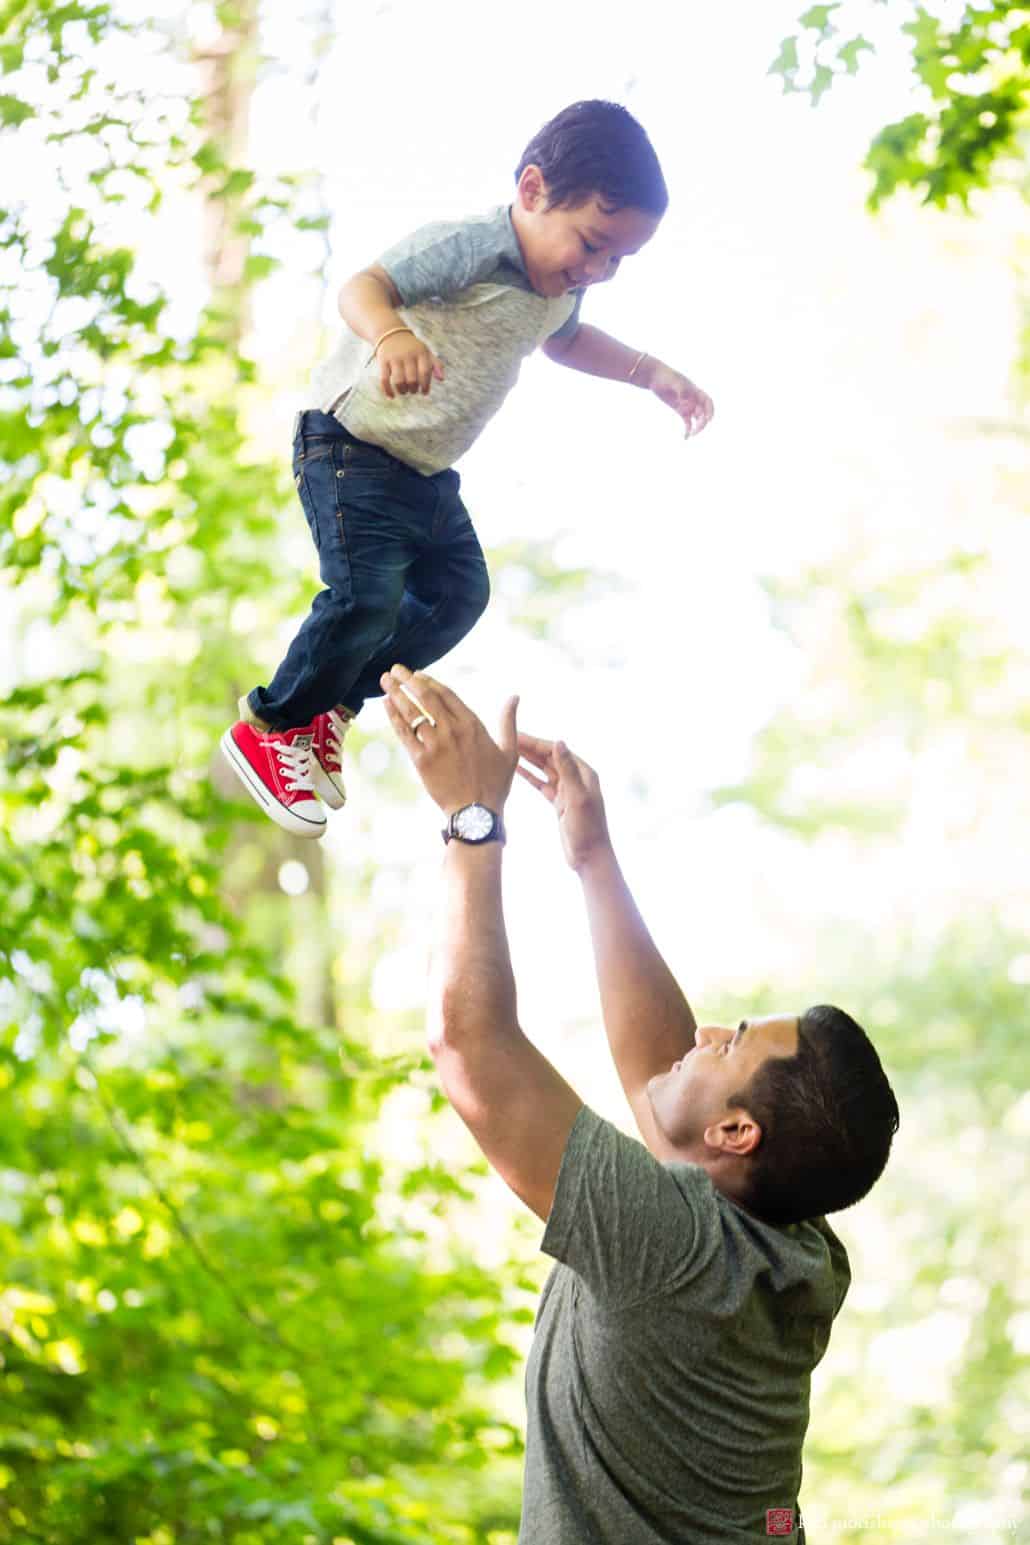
[423, 718]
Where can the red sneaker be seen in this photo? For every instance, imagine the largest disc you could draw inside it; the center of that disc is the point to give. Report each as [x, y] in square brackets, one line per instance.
[327, 732]
[275, 769]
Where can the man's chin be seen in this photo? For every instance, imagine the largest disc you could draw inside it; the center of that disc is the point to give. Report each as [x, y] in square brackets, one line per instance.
[653, 1085]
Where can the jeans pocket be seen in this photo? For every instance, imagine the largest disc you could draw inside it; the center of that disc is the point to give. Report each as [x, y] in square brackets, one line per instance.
[367, 461]
[316, 448]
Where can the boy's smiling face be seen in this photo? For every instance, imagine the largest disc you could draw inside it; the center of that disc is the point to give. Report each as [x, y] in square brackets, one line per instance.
[565, 249]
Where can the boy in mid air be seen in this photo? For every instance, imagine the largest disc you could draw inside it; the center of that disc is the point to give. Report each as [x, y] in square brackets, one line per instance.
[436, 332]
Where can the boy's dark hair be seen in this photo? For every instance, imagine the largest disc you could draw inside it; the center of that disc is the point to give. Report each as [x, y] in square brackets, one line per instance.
[828, 1116]
[597, 147]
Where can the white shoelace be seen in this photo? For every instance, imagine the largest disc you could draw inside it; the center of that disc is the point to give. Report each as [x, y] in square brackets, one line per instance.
[295, 760]
[338, 727]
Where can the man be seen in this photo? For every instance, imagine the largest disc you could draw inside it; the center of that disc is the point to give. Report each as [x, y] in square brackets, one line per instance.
[668, 1383]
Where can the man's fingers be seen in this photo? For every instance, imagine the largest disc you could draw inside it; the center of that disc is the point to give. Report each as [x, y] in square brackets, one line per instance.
[536, 750]
[573, 770]
[567, 764]
[399, 695]
[432, 694]
[554, 756]
[548, 790]
[402, 729]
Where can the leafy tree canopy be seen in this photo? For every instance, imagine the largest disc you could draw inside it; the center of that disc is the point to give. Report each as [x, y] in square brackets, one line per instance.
[972, 63]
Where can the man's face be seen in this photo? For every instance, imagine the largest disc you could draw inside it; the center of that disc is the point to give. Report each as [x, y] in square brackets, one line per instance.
[565, 249]
[690, 1100]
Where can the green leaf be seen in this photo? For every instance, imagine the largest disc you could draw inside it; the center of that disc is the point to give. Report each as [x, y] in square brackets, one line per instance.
[786, 62]
[259, 265]
[850, 53]
[818, 18]
[13, 111]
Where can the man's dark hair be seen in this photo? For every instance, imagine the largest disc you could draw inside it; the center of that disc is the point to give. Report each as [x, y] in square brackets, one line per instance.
[827, 1115]
[598, 148]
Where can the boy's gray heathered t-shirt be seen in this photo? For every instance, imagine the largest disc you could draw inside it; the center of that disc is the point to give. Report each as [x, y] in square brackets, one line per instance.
[465, 292]
[668, 1382]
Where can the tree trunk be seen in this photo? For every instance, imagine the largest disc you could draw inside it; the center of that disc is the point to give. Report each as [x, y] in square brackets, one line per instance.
[228, 67]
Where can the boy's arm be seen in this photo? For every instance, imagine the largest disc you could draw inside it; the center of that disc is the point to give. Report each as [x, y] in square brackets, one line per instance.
[368, 303]
[598, 354]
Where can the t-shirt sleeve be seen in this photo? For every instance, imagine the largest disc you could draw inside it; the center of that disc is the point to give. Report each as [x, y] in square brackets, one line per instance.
[440, 259]
[570, 326]
[623, 1221]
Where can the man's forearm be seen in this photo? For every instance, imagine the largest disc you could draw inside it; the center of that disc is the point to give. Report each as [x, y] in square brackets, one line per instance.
[598, 354]
[476, 984]
[647, 1019]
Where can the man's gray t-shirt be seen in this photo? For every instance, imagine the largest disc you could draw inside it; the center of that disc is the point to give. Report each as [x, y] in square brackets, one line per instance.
[668, 1382]
[466, 293]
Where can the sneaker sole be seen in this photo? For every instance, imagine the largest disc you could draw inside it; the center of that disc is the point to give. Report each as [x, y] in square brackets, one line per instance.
[325, 788]
[257, 791]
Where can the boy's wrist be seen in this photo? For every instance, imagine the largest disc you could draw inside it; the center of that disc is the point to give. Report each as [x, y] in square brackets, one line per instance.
[365, 307]
[645, 373]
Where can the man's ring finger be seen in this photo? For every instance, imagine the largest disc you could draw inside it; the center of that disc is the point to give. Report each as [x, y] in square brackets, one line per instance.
[424, 717]
[416, 724]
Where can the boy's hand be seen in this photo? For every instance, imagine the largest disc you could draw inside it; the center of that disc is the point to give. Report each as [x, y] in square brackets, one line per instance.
[406, 364]
[693, 405]
[575, 792]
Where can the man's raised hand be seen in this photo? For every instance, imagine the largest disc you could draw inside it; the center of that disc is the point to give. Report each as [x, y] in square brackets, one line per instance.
[453, 754]
[575, 792]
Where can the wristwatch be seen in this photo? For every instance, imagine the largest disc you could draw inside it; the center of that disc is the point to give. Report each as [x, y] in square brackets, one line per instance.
[475, 824]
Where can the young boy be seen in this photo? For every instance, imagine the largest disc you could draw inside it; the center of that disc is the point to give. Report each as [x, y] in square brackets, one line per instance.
[436, 333]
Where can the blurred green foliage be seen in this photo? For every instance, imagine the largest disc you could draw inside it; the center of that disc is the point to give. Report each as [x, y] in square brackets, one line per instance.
[906, 743]
[973, 63]
[222, 1316]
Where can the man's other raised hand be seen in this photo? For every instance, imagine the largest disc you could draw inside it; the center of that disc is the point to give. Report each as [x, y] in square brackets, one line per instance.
[574, 790]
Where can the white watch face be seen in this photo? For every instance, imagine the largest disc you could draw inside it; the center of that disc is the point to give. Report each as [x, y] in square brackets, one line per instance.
[473, 823]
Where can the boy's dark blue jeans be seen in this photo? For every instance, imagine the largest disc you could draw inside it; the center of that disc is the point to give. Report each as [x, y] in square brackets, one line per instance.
[404, 573]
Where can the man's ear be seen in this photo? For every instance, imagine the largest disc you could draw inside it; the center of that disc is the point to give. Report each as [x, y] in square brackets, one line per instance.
[739, 1134]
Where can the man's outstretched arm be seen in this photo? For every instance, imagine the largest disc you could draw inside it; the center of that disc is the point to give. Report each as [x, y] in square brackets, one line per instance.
[516, 1105]
[647, 1018]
